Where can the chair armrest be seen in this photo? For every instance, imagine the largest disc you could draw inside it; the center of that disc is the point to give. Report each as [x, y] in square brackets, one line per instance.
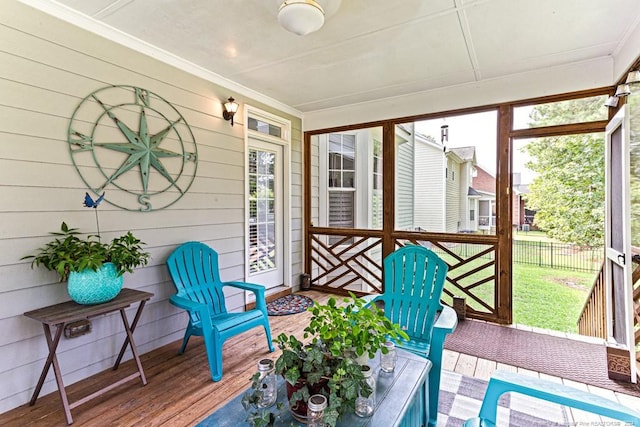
[447, 321]
[246, 286]
[189, 305]
[504, 382]
[258, 290]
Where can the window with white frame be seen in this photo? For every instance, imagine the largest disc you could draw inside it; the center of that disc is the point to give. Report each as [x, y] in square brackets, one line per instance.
[341, 175]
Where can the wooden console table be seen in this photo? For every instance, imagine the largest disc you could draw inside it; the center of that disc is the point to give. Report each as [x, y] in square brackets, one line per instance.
[59, 315]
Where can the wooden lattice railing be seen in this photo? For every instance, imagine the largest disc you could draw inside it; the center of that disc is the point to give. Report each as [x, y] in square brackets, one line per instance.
[350, 260]
[472, 271]
[593, 320]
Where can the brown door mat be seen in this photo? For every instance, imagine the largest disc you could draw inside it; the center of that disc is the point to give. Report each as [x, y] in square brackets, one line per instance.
[561, 357]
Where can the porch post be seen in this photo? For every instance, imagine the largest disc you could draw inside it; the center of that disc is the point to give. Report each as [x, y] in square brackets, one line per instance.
[388, 185]
[504, 210]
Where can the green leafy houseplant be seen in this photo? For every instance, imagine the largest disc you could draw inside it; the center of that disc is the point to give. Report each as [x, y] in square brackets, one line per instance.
[326, 361]
[67, 252]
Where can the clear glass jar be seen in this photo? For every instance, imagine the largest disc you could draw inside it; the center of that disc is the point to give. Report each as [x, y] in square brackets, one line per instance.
[388, 360]
[267, 383]
[315, 410]
[365, 404]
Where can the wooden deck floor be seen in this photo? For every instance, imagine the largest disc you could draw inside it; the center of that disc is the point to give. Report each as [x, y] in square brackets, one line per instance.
[180, 392]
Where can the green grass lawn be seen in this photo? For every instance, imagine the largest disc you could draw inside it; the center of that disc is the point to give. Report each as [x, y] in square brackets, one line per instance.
[536, 236]
[549, 298]
[544, 297]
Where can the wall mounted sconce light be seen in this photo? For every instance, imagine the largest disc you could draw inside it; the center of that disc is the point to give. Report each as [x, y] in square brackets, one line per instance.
[230, 108]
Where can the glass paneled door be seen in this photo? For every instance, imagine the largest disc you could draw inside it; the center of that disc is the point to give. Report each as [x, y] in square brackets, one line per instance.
[265, 214]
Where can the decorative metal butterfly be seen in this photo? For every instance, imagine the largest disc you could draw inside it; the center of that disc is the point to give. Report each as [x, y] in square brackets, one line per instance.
[89, 203]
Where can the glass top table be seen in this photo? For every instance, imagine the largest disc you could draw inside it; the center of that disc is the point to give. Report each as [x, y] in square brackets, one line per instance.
[401, 399]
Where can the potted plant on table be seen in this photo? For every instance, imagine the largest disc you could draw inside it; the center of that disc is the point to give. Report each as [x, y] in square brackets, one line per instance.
[93, 269]
[325, 361]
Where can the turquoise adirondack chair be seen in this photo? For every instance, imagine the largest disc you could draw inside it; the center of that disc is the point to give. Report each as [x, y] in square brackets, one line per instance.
[194, 270]
[414, 277]
[510, 382]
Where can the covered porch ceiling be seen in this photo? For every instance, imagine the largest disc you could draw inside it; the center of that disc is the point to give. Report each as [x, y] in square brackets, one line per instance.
[372, 49]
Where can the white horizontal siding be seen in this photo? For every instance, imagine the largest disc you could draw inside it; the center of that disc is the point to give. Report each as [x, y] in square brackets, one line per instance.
[430, 188]
[46, 68]
[453, 198]
[405, 185]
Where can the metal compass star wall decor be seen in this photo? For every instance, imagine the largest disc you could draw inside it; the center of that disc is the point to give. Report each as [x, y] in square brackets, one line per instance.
[132, 139]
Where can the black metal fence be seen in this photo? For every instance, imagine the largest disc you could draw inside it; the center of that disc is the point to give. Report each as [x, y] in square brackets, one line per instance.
[558, 255]
[543, 254]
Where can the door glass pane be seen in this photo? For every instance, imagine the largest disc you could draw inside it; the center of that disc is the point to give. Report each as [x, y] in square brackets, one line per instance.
[264, 127]
[446, 167]
[262, 215]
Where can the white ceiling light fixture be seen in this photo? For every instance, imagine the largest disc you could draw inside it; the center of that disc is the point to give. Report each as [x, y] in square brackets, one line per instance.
[301, 17]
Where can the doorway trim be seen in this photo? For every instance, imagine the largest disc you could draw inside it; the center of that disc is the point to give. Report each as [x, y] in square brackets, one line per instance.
[285, 142]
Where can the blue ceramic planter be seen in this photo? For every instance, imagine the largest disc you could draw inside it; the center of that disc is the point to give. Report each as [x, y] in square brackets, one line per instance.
[95, 287]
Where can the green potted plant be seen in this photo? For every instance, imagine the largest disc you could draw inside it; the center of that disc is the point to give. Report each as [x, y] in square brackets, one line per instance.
[326, 362]
[93, 269]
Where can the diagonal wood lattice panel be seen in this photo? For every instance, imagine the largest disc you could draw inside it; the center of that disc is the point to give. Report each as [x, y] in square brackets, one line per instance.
[472, 272]
[351, 263]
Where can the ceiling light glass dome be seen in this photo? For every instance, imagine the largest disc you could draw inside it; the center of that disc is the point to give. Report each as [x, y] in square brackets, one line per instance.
[301, 16]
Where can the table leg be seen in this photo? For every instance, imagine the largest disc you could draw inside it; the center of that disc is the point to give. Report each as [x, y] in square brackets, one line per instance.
[129, 341]
[126, 341]
[52, 359]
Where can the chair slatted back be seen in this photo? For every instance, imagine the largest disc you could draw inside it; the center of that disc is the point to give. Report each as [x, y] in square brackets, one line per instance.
[414, 277]
[194, 269]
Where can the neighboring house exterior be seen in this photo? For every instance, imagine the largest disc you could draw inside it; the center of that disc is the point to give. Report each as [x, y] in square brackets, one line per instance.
[430, 199]
[406, 180]
[522, 216]
[484, 184]
[461, 163]
[434, 184]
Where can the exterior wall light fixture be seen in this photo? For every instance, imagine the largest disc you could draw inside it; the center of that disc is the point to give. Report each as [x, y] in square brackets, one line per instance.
[230, 108]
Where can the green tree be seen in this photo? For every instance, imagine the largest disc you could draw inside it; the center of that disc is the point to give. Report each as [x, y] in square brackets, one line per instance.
[568, 192]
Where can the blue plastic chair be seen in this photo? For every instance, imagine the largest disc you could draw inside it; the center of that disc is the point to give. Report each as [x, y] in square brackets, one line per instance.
[508, 382]
[194, 270]
[414, 277]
